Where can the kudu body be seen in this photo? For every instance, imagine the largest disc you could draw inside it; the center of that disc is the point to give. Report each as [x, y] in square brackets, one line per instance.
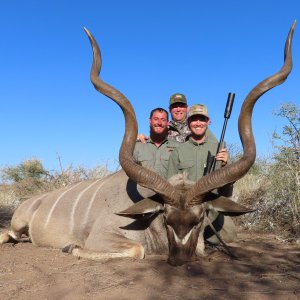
[169, 217]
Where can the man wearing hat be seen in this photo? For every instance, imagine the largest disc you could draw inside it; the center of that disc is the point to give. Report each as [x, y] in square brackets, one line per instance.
[190, 158]
[178, 127]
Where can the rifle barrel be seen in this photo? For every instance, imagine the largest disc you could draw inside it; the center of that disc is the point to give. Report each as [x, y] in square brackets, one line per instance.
[227, 113]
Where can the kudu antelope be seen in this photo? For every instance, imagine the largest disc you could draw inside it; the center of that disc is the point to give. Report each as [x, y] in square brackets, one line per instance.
[168, 216]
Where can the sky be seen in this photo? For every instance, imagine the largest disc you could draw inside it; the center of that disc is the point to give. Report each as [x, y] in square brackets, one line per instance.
[150, 50]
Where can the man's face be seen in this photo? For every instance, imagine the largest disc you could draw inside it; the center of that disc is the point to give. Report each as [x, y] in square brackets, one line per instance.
[198, 125]
[159, 123]
[178, 111]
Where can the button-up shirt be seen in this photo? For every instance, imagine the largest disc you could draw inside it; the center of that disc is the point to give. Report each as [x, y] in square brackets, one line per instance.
[153, 157]
[191, 157]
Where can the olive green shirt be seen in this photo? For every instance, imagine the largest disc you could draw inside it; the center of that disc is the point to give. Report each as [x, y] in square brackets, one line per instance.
[191, 158]
[152, 157]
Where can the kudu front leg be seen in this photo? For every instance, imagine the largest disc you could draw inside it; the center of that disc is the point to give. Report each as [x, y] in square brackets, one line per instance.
[118, 247]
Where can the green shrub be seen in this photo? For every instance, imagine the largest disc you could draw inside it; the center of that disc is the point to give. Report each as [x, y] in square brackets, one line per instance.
[31, 168]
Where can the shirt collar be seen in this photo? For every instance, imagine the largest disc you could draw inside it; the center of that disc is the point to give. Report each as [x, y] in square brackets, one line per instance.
[150, 141]
[196, 144]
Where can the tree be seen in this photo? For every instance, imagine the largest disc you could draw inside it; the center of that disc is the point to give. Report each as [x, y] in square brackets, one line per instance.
[285, 171]
[291, 133]
[27, 169]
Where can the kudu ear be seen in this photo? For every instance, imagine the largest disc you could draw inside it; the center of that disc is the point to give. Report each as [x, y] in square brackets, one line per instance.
[228, 207]
[145, 207]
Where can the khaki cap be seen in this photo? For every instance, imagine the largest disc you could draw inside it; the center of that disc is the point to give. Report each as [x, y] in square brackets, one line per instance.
[177, 98]
[198, 109]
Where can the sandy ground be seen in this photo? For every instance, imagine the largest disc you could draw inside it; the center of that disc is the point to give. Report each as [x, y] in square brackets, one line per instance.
[266, 268]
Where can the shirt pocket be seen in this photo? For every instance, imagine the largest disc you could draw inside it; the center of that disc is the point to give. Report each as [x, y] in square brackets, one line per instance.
[172, 145]
[185, 165]
[144, 159]
[164, 158]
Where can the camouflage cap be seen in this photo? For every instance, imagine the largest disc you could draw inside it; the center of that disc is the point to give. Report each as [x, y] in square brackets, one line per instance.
[177, 98]
[198, 109]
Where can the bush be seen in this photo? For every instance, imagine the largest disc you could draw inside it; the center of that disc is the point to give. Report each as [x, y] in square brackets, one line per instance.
[31, 178]
[31, 168]
[273, 186]
[26, 178]
[284, 173]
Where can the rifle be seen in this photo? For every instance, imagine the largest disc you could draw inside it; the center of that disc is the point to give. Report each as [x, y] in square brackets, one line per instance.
[211, 160]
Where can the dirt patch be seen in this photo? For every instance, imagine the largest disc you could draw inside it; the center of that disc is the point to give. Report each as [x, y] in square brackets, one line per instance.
[266, 268]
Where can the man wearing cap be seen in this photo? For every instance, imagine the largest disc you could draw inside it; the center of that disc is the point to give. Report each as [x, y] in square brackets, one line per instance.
[178, 127]
[154, 153]
[191, 156]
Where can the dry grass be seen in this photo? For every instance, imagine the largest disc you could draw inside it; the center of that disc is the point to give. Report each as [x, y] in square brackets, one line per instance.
[8, 203]
[8, 197]
[272, 214]
[11, 195]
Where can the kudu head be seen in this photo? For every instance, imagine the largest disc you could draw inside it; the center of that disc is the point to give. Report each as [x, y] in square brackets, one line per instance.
[185, 204]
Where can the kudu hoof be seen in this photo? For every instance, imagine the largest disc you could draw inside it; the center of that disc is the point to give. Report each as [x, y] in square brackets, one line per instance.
[69, 248]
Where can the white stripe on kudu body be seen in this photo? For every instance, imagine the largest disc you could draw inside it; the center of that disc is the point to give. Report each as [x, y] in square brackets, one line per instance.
[56, 202]
[89, 207]
[33, 203]
[72, 225]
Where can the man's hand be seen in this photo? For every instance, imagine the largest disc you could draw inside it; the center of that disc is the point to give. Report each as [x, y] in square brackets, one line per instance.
[142, 138]
[223, 156]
